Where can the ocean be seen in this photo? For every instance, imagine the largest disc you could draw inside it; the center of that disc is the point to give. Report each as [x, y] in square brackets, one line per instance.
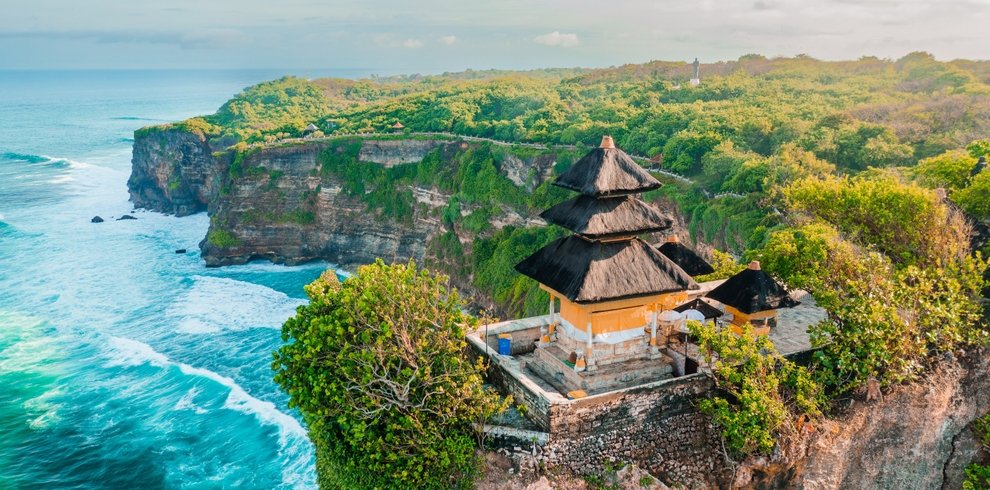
[122, 363]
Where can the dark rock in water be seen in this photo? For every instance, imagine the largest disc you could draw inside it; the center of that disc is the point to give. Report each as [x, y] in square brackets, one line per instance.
[126, 216]
[180, 251]
[96, 219]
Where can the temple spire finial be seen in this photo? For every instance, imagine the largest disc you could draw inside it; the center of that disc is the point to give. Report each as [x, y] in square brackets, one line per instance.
[607, 142]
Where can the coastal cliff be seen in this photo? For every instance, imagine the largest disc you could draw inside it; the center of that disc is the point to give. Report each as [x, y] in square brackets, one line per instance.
[917, 436]
[173, 171]
[346, 200]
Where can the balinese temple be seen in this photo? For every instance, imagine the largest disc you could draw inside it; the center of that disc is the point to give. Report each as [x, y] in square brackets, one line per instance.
[753, 297]
[610, 283]
[398, 127]
[310, 129]
[687, 259]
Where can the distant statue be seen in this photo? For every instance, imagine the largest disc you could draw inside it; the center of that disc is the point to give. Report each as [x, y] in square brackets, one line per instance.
[695, 74]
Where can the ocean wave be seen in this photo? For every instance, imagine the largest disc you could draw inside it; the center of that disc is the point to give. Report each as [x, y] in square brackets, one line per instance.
[57, 162]
[128, 352]
[218, 303]
[187, 402]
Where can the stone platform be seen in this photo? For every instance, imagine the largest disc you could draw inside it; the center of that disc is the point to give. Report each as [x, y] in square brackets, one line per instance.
[550, 364]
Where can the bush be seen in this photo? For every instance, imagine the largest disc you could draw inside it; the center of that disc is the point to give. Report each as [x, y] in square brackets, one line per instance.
[977, 477]
[377, 367]
[765, 392]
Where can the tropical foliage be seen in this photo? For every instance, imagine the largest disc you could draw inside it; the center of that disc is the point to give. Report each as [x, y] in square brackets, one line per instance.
[761, 395]
[377, 367]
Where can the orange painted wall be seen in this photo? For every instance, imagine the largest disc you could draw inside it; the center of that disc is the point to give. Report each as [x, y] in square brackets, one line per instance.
[614, 316]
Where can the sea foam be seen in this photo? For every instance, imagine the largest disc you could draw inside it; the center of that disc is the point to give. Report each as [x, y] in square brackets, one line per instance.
[130, 353]
[217, 303]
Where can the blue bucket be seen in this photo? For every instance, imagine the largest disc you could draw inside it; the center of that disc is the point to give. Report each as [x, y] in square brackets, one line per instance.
[505, 346]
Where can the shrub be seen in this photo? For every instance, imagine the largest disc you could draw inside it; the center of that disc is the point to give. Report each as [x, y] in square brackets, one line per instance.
[765, 393]
[377, 367]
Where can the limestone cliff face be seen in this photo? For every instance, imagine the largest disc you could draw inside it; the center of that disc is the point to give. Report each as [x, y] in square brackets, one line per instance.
[290, 213]
[916, 437]
[173, 171]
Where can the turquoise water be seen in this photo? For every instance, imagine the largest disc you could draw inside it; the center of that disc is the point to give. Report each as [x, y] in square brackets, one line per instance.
[122, 363]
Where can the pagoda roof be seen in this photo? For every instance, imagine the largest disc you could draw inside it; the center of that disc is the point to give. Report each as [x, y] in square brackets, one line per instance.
[687, 259]
[607, 171]
[592, 271]
[312, 127]
[752, 290]
[702, 306]
[607, 217]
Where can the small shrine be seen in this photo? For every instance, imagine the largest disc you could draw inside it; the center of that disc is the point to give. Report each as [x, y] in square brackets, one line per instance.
[610, 284]
[753, 297]
[398, 127]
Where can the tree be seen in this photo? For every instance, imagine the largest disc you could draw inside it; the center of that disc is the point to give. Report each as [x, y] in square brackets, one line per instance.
[377, 367]
[949, 170]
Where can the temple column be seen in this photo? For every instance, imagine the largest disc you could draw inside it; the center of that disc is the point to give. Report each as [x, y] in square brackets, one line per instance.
[653, 330]
[589, 351]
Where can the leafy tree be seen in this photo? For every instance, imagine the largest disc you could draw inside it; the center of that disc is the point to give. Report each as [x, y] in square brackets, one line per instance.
[975, 198]
[949, 170]
[377, 367]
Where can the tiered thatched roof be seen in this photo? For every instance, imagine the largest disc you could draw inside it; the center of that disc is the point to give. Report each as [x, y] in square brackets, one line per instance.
[687, 259]
[751, 291]
[602, 218]
[607, 171]
[701, 305]
[588, 271]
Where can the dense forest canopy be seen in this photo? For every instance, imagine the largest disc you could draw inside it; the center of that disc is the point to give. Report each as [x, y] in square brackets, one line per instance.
[854, 114]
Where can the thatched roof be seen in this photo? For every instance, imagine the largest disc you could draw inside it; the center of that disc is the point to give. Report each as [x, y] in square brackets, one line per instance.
[687, 259]
[607, 171]
[700, 305]
[752, 290]
[607, 217]
[591, 271]
[312, 127]
[397, 125]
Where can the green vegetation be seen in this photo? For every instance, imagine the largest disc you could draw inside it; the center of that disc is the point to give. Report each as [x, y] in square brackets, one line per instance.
[977, 477]
[760, 393]
[891, 264]
[222, 238]
[377, 367]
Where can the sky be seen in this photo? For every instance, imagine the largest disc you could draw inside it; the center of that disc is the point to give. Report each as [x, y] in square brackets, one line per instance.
[431, 36]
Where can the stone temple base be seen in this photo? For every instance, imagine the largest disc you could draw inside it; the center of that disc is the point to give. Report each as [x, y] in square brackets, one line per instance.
[549, 363]
[605, 354]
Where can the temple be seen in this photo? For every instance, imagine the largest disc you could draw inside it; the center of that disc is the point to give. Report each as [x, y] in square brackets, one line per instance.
[610, 284]
[753, 297]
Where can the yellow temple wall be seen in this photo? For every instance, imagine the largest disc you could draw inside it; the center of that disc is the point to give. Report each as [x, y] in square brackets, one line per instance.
[614, 316]
[739, 319]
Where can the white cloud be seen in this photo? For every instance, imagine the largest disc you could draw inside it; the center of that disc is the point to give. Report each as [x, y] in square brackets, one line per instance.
[556, 38]
[412, 43]
[448, 40]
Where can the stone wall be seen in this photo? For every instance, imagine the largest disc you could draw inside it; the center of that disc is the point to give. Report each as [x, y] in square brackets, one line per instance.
[655, 426]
